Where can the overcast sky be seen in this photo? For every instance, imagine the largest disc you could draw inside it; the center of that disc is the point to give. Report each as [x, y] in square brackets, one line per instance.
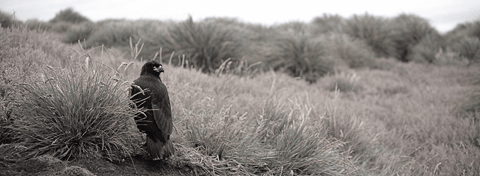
[444, 15]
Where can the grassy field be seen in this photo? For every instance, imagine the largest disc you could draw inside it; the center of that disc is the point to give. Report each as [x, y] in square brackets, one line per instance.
[328, 104]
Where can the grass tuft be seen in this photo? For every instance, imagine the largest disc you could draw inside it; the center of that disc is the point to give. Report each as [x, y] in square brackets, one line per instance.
[6, 20]
[326, 23]
[109, 34]
[355, 53]
[427, 49]
[70, 16]
[201, 45]
[79, 112]
[34, 24]
[469, 47]
[343, 82]
[300, 55]
[409, 30]
[373, 30]
[79, 32]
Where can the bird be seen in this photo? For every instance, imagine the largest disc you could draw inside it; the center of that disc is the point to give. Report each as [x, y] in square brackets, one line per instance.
[150, 94]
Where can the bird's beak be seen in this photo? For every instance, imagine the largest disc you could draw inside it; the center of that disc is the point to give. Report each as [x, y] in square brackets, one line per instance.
[158, 69]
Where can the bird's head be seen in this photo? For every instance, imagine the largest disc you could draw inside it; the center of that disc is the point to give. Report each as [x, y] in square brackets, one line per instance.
[152, 68]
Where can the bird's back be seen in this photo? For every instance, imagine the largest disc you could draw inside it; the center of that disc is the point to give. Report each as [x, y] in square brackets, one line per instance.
[157, 104]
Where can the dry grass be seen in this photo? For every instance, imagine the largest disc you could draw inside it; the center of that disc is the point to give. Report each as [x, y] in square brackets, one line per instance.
[399, 123]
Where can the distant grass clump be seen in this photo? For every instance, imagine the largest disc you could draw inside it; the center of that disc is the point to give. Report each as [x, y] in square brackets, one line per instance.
[6, 20]
[355, 53]
[64, 19]
[34, 24]
[300, 55]
[326, 23]
[110, 34]
[468, 29]
[375, 31]
[79, 112]
[70, 16]
[79, 32]
[203, 45]
[343, 82]
[468, 47]
[426, 50]
[293, 26]
[408, 31]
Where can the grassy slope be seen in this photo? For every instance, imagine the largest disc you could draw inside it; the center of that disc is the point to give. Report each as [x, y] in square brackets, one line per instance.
[400, 122]
[403, 114]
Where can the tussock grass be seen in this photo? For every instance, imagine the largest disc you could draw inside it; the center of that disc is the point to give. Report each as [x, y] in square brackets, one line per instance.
[375, 31]
[201, 45]
[300, 55]
[70, 16]
[409, 30]
[468, 29]
[276, 142]
[293, 27]
[427, 49]
[111, 34]
[326, 23]
[468, 47]
[355, 53]
[6, 19]
[34, 24]
[79, 32]
[402, 122]
[61, 27]
[470, 106]
[23, 51]
[79, 112]
[343, 82]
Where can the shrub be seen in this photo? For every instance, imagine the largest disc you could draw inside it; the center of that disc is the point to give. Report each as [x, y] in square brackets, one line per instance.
[355, 53]
[408, 31]
[79, 32]
[375, 31]
[468, 47]
[204, 45]
[300, 55]
[78, 112]
[70, 16]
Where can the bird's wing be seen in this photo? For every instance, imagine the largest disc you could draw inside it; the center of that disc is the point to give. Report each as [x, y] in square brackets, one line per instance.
[162, 114]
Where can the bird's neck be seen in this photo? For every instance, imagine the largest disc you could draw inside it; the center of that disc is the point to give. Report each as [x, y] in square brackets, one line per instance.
[152, 75]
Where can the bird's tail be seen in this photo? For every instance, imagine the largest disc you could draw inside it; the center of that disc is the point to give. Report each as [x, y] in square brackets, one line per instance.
[159, 150]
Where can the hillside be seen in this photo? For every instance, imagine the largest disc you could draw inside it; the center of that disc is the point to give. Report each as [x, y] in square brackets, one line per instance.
[66, 105]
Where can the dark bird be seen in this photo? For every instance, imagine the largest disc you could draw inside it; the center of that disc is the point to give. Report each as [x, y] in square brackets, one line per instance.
[148, 92]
